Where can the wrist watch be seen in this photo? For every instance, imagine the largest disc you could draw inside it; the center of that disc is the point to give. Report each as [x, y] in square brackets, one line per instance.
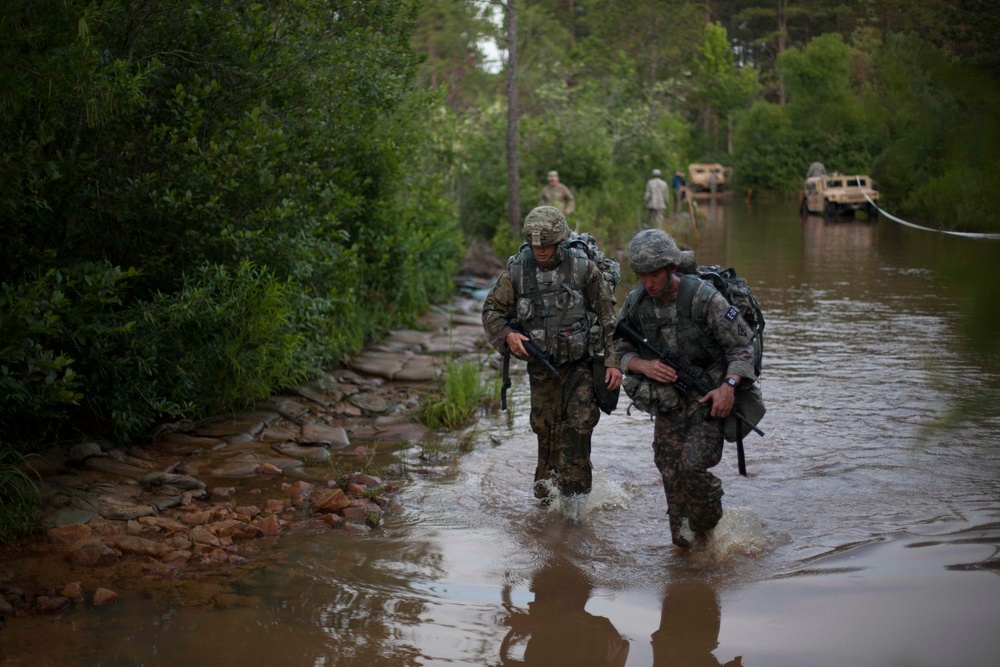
[731, 382]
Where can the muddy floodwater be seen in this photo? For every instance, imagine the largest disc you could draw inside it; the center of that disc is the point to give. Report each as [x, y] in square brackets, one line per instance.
[867, 532]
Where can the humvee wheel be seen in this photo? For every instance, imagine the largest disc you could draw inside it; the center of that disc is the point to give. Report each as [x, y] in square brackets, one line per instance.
[829, 208]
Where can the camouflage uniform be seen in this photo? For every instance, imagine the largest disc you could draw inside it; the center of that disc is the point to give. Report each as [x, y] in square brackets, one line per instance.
[563, 411]
[711, 337]
[557, 195]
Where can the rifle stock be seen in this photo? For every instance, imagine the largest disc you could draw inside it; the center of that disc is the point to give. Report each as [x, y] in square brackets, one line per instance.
[686, 379]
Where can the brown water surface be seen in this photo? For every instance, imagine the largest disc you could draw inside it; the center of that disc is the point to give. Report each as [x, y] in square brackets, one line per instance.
[865, 534]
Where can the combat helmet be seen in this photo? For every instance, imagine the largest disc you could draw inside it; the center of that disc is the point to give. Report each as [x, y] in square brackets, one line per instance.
[652, 249]
[545, 225]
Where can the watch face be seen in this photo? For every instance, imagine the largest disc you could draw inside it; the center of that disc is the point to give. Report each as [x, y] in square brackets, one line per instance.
[731, 382]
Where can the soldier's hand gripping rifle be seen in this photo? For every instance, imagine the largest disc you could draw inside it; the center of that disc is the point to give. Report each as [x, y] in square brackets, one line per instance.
[533, 350]
[686, 379]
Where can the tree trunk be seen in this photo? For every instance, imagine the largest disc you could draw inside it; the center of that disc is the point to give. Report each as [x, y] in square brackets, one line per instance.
[513, 111]
[782, 44]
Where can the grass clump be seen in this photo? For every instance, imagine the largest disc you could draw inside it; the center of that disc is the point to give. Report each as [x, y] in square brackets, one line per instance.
[18, 497]
[462, 393]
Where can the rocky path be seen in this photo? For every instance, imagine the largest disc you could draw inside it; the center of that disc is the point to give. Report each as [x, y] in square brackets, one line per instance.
[200, 506]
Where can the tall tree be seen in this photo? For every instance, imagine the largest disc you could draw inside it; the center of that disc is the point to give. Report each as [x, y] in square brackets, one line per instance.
[513, 112]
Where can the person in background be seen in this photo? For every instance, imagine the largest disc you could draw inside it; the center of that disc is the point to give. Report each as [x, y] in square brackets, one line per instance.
[655, 199]
[678, 182]
[558, 195]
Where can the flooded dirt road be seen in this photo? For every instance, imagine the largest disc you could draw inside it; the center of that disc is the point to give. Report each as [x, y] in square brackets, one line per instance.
[865, 534]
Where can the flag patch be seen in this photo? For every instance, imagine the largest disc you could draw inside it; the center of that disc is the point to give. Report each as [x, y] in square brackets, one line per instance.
[732, 314]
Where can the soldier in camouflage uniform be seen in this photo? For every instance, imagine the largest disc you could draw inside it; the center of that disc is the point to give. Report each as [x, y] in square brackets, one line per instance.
[558, 296]
[683, 313]
[558, 195]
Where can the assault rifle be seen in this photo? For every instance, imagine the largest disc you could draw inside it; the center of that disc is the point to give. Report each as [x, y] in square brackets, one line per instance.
[686, 379]
[529, 347]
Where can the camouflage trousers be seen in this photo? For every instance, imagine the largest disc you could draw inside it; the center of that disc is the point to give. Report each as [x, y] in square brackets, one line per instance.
[683, 453]
[563, 416]
[655, 218]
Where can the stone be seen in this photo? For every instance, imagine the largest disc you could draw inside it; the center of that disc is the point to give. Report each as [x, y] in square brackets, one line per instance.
[83, 451]
[162, 523]
[330, 500]
[281, 433]
[140, 546]
[73, 590]
[226, 527]
[51, 604]
[324, 434]
[202, 535]
[112, 466]
[269, 525]
[69, 534]
[93, 554]
[181, 482]
[236, 470]
[65, 516]
[104, 596]
[370, 402]
[251, 423]
[300, 452]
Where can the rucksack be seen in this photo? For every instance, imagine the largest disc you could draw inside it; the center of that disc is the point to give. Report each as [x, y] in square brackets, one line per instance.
[738, 294]
[610, 268]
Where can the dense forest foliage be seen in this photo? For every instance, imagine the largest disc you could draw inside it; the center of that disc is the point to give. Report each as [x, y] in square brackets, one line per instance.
[202, 202]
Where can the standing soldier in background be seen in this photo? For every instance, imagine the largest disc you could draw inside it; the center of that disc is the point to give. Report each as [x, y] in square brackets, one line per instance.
[556, 295]
[686, 314]
[678, 182]
[558, 195]
[655, 199]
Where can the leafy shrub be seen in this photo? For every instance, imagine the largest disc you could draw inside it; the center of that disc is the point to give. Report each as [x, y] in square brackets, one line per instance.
[49, 324]
[219, 344]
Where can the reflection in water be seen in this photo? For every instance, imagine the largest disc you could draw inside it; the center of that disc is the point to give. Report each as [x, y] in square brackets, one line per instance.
[557, 629]
[689, 627]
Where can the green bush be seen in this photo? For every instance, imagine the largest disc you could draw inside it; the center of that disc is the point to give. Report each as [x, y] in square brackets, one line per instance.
[221, 343]
[50, 324]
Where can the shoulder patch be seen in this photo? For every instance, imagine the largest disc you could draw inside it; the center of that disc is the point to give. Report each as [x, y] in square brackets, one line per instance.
[732, 314]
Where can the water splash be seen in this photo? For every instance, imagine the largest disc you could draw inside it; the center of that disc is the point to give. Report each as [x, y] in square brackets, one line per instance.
[604, 495]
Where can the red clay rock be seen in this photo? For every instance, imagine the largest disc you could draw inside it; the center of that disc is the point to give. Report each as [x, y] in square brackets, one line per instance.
[104, 596]
[93, 554]
[330, 500]
[70, 533]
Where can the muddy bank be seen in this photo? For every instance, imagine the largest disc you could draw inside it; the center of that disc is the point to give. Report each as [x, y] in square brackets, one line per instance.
[186, 515]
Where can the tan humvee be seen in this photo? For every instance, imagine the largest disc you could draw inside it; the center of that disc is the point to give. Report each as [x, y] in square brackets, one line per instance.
[708, 177]
[838, 195]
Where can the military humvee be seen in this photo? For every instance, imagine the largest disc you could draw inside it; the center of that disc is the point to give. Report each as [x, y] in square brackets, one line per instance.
[838, 195]
[708, 177]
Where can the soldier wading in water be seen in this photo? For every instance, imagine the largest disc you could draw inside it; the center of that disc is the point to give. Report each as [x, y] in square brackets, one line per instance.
[559, 298]
[683, 313]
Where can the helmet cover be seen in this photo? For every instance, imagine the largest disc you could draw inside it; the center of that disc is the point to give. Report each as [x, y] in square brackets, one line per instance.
[652, 249]
[545, 225]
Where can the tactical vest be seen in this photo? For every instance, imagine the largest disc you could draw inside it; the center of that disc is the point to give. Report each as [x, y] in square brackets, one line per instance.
[695, 343]
[551, 305]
